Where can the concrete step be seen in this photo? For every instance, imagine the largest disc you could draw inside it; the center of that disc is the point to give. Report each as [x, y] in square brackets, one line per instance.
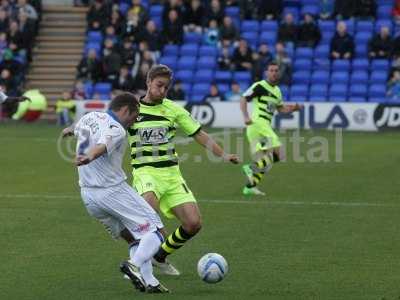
[61, 38]
[51, 77]
[45, 83]
[59, 31]
[64, 17]
[50, 70]
[63, 24]
[57, 46]
[58, 57]
[39, 50]
[53, 64]
[64, 9]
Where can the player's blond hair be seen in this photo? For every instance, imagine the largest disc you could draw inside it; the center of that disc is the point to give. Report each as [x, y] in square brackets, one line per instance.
[159, 71]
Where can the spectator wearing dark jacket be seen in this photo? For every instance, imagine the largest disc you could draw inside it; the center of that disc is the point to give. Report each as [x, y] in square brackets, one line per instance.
[117, 21]
[89, 67]
[4, 21]
[194, 16]
[215, 12]
[342, 43]
[176, 92]
[396, 47]
[151, 35]
[380, 46]
[270, 9]
[124, 80]
[97, 13]
[132, 27]
[309, 33]
[345, 9]
[288, 30]
[261, 60]
[111, 61]
[228, 30]
[173, 30]
[242, 57]
[366, 8]
[176, 5]
[214, 95]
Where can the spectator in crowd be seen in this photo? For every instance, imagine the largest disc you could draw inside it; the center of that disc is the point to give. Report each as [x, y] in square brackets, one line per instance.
[89, 67]
[214, 95]
[395, 12]
[141, 78]
[65, 109]
[235, 92]
[97, 15]
[10, 64]
[309, 33]
[151, 36]
[270, 10]
[288, 30]
[109, 33]
[4, 21]
[228, 31]
[26, 29]
[79, 92]
[14, 35]
[380, 46]
[111, 61]
[138, 10]
[3, 43]
[326, 9]
[396, 47]
[261, 59]
[131, 27]
[116, 21]
[124, 80]
[176, 5]
[242, 57]
[248, 9]
[366, 9]
[176, 92]
[147, 58]
[24, 7]
[129, 55]
[193, 17]
[345, 9]
[342, 44]
[8, 82]
[231, 3]
[393, 86]
[173, 29]
[285, 64]
[215, 12]
[211, 33]
[224, 59]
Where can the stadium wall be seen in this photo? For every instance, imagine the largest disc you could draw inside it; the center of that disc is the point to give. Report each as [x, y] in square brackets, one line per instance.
[315, 115]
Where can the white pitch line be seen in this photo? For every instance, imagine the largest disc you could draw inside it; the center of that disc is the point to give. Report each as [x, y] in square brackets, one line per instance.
[216, 201]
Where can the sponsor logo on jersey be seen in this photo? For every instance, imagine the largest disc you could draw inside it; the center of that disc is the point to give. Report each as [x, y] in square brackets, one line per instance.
[153, 135]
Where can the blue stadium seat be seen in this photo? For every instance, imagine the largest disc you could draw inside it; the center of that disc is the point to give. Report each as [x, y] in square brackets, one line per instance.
[326, 26]
[320, 77]
[361, 50]
[192, 38]
[358, 90]
[319, 90]
[292, 10]
[204, 75]
[208, 51]
[312, 9]
[170, 61]
[298, 90]
[381, 100]
[338, 92]
[242, 76]
[187, 63]
[201, 88]
[379, 64]
[304, 52]
[223, 88]
[284, 92]
[357, 99]
[88, 89]
[269, 26]
[322, 51]
[223, 76]
[341, 65]
[171, 50]
[232, 11]
[340, 77]
[123, 8]
[384, 12]
[360, 64]
[362, 37]
[297, 98]
[250, 37]
[95, 46]
[250, 26]
[381, 23]
[377, 91]
[156, 10]
[303, 64]
[206, 62]
[310, 2]
[268, 37]
[158, 21]
[187, 88]
[359, 76]
[323, 64]
[196, 97]
[350, 23]
[301, 77]
[189, 50]
[378, 77]
[102, 88]
[365, 26]
[185, 76]
[94, 37]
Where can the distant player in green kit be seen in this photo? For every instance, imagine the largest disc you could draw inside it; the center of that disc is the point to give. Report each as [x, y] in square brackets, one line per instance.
[156, 174]
[264, 143]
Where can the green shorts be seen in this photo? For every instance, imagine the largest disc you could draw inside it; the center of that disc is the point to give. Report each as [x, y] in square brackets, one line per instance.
[262, 137]
[168, 185]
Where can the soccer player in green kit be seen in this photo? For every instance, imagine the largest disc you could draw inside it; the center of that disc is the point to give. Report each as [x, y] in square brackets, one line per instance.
[156, 174]
[264, 143]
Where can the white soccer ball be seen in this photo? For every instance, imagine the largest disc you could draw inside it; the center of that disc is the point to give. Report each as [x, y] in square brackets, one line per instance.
[212, 267]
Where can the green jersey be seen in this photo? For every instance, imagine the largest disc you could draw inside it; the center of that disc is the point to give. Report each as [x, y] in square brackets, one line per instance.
[152, 136]
[266, 99]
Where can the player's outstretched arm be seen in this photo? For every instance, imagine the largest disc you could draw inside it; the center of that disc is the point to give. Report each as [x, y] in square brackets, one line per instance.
[245, 112]
[19, 99]
[93, 153]
[288, 108]
[68, 131]
[206, 141]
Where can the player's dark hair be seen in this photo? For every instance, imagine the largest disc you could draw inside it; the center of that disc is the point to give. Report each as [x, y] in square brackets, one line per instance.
[273, 63]
[159, 71]
[125, 99]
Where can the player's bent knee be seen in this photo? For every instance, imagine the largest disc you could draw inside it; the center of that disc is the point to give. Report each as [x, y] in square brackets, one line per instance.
[192, 226]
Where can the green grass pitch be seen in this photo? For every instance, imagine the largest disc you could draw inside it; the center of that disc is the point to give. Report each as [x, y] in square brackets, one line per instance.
[327, 230]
